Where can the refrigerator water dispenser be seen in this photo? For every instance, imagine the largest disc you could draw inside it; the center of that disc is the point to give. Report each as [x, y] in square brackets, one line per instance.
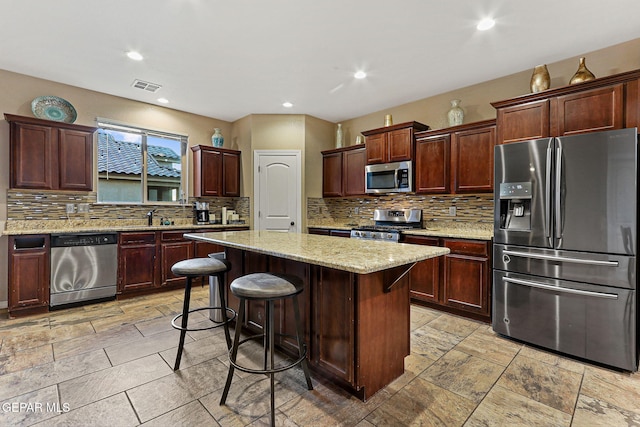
[515, 205]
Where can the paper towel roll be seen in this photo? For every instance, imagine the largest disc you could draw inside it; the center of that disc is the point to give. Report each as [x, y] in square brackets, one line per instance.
[224, 215]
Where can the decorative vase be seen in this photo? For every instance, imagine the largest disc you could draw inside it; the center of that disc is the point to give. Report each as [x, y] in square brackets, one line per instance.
[217, 140]
[540, 79]
[388, 120]
[455, 114]
[339, 137]
[583, 74]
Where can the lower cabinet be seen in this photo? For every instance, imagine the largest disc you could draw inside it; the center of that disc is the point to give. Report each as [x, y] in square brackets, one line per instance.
[145, 259]
[28, 274]
[459, 282]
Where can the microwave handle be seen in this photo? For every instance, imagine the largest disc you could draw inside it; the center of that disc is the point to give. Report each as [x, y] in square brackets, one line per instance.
[397, 178]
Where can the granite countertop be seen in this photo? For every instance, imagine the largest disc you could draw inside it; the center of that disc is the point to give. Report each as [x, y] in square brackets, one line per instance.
[16, 228]
[453, 229]
[352, 255]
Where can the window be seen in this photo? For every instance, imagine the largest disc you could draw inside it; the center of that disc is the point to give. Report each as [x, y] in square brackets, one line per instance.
[138, 165]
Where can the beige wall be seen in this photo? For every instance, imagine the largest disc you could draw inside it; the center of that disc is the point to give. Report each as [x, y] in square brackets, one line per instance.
[476, 99]
[19, 90]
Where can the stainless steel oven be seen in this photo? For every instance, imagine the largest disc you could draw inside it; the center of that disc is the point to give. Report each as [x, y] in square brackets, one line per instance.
[389, 223]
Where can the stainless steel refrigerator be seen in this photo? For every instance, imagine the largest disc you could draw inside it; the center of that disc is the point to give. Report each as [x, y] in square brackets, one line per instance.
[565, 245]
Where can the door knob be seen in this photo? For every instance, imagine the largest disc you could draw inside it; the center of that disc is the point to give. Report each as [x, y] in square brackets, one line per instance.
[293, 223]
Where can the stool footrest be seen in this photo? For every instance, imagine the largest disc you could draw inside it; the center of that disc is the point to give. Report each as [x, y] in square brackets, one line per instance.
[267, 371]
[217, 324]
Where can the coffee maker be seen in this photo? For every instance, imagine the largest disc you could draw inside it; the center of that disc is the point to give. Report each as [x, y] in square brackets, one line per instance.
[201, 213]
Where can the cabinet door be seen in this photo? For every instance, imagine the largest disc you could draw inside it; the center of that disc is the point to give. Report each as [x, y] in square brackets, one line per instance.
[424, 277]
[588, 111]
[332, 175]
[75, 160]
[376, 147]
[472, 160]
[333, 314]
[33, 149]
[136, 261]
[523, 122]
[231, 174]
[400, 145]
[432, 164]
[466, 276]
[210, 174]
[353, 171]
[170, 253]
[28, 273]
[321, 231]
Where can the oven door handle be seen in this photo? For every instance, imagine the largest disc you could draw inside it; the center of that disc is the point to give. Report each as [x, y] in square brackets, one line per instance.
[562, 258]
[558, 289]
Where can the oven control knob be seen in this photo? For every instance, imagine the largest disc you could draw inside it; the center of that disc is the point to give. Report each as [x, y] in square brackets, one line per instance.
[389, 236]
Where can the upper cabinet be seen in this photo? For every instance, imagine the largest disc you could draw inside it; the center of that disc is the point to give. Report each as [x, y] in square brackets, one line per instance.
[392, 143]
[343, 171]
[50, 155]
[456, 160]
[216, 172]
[602, 104]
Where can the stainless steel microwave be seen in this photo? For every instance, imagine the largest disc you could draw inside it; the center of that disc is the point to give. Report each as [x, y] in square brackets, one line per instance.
[389, 178]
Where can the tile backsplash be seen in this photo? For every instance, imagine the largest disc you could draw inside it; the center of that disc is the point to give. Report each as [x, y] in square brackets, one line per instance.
[468, 207]
[39, 205]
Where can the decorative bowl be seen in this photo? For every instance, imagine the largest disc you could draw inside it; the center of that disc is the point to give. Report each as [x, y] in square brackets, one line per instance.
[53, 108]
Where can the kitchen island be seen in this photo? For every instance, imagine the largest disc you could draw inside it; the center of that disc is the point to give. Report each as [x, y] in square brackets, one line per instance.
[355, 305]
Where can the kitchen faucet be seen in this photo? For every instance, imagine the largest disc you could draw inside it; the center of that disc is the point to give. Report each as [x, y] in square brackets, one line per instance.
[150, 216]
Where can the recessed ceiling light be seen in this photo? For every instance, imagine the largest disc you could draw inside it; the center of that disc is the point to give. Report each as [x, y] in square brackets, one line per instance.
[163, 100]
[360, 75]
[486, 24]
[136, 56]
[287, 104]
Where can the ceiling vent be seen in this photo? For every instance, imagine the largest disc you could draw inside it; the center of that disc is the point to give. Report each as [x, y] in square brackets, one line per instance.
[149, 87]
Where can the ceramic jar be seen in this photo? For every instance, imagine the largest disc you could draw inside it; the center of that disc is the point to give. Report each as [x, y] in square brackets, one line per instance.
[455, 115]
[217, 140]
[583, 74]
[540, 79]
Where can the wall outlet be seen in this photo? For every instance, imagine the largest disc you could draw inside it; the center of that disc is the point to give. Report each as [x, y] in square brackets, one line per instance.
[452, 211]
[356, 210]
[71, 208]
[83, 207]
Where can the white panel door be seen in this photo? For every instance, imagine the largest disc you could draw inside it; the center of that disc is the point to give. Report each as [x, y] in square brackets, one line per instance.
[277, 190]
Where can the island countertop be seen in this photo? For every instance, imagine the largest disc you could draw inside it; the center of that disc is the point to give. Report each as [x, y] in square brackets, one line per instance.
[352, 255]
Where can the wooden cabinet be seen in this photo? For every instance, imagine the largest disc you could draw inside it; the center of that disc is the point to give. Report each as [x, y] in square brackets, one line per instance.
[216, 172]
[50, 155]
[467, 279]
[456, 160]
[424, 277]
[602, 104]
[459, 282]
[343, 171]
[28, 274]
[392, 143]
[137, 261]
[173, 248]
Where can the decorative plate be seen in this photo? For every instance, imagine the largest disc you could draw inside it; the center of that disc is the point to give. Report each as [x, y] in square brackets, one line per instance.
[53, 108]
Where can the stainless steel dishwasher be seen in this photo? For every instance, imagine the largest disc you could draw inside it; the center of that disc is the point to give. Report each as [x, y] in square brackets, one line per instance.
[84, 267]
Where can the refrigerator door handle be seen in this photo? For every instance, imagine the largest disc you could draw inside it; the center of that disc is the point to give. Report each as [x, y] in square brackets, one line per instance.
[558, 289]
[547, 194]
[558, 193]
[562, 258]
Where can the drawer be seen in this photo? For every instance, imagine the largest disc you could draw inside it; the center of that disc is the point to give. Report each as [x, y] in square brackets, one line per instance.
[467, 247]
[420, 240]
[173, 235]
[137, 238]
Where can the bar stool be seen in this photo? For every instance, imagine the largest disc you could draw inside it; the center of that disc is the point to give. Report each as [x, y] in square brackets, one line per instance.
[191, 268]
[269, 288]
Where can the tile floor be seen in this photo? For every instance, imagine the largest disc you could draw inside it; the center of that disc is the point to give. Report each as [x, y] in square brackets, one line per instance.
[110, 364]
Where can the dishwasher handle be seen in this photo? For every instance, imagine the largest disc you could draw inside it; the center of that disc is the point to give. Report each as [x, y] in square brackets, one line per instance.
[29, 242]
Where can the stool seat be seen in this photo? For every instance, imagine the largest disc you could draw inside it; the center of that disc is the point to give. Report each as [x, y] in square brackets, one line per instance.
[200, 267]
[266, 286]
